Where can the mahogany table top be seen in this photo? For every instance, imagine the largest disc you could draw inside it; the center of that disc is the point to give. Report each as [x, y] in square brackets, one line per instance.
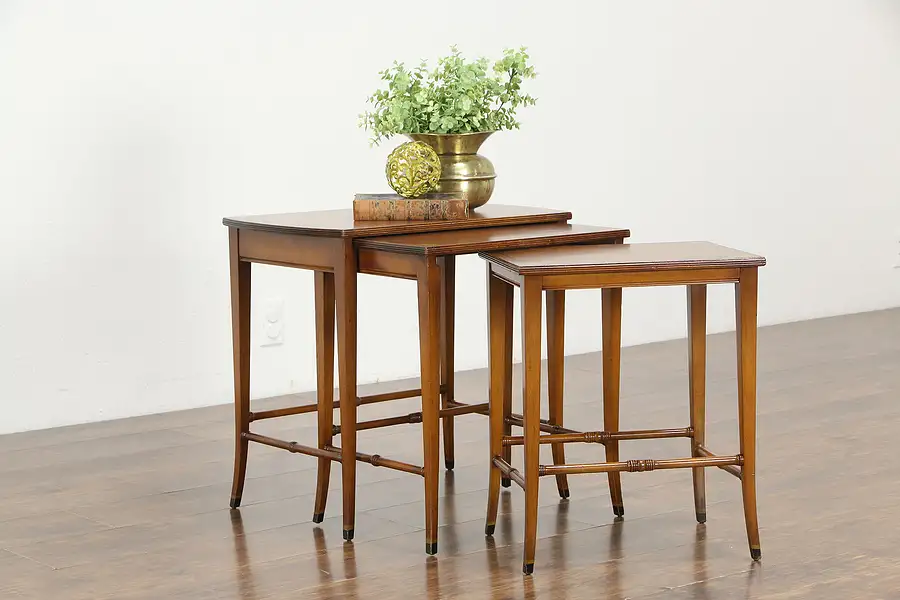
[340, 223]
[607, 258]
[487, 239]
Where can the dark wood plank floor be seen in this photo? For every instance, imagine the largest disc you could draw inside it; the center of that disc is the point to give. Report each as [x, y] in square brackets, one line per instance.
[138, 508]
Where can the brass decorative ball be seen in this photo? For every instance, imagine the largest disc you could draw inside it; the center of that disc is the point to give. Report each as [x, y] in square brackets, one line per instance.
[413, 169]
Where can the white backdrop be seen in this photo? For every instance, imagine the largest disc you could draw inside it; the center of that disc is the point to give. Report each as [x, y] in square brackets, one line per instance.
[128, 129]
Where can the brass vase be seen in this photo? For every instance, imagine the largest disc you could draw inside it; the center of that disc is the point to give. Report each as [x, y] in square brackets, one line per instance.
[463, 170]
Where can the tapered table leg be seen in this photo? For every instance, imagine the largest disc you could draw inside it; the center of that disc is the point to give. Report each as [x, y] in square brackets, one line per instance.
[324, 284]
[507, 364]
[448, 310]
[696, 296]
[429, 286]
[745, 317]
[345, 292]
[499, 303]
[612, 353]
[556, 318]
[240, 331]
[531, 395]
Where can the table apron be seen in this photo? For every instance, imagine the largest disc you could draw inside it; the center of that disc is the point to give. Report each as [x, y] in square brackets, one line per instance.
[303, 252]
[583, 281]
[389, 264]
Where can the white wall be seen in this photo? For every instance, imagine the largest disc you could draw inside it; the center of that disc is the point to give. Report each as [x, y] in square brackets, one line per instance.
[128, 129]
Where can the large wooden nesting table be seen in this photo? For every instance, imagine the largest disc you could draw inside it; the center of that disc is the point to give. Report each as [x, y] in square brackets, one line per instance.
[336, 248]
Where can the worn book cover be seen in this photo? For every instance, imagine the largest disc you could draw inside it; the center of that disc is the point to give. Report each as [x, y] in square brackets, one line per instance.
[392, 207]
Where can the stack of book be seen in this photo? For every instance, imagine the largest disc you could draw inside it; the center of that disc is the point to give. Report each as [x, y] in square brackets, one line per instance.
[392, 207]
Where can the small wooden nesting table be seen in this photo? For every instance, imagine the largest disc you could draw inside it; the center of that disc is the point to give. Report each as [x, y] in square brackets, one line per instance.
[336, 248]
[611, 268]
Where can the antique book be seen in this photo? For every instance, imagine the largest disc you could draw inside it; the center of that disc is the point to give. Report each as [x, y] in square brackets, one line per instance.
[392, 207]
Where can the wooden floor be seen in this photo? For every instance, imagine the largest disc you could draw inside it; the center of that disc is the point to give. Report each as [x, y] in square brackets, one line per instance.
[138, 508]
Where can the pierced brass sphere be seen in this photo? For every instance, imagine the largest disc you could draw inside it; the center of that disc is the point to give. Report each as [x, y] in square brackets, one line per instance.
[413, 169]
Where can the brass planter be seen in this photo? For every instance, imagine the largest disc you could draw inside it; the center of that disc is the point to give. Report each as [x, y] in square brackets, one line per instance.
[463, 170]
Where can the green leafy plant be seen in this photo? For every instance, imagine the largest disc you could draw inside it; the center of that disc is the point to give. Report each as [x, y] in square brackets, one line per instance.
[458, 96]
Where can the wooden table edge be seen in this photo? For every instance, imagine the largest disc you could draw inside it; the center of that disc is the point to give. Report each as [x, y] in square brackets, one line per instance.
[391, 227]
[485, 247]
[618, 268]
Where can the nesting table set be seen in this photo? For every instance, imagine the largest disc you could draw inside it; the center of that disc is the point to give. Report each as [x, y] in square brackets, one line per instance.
[536, 250]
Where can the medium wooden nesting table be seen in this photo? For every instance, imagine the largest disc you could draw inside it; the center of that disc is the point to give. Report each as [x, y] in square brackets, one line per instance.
[555, 270]
[336, 248]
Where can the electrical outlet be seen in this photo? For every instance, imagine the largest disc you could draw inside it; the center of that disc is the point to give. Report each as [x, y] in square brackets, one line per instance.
[897, 256]
[273, 322]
